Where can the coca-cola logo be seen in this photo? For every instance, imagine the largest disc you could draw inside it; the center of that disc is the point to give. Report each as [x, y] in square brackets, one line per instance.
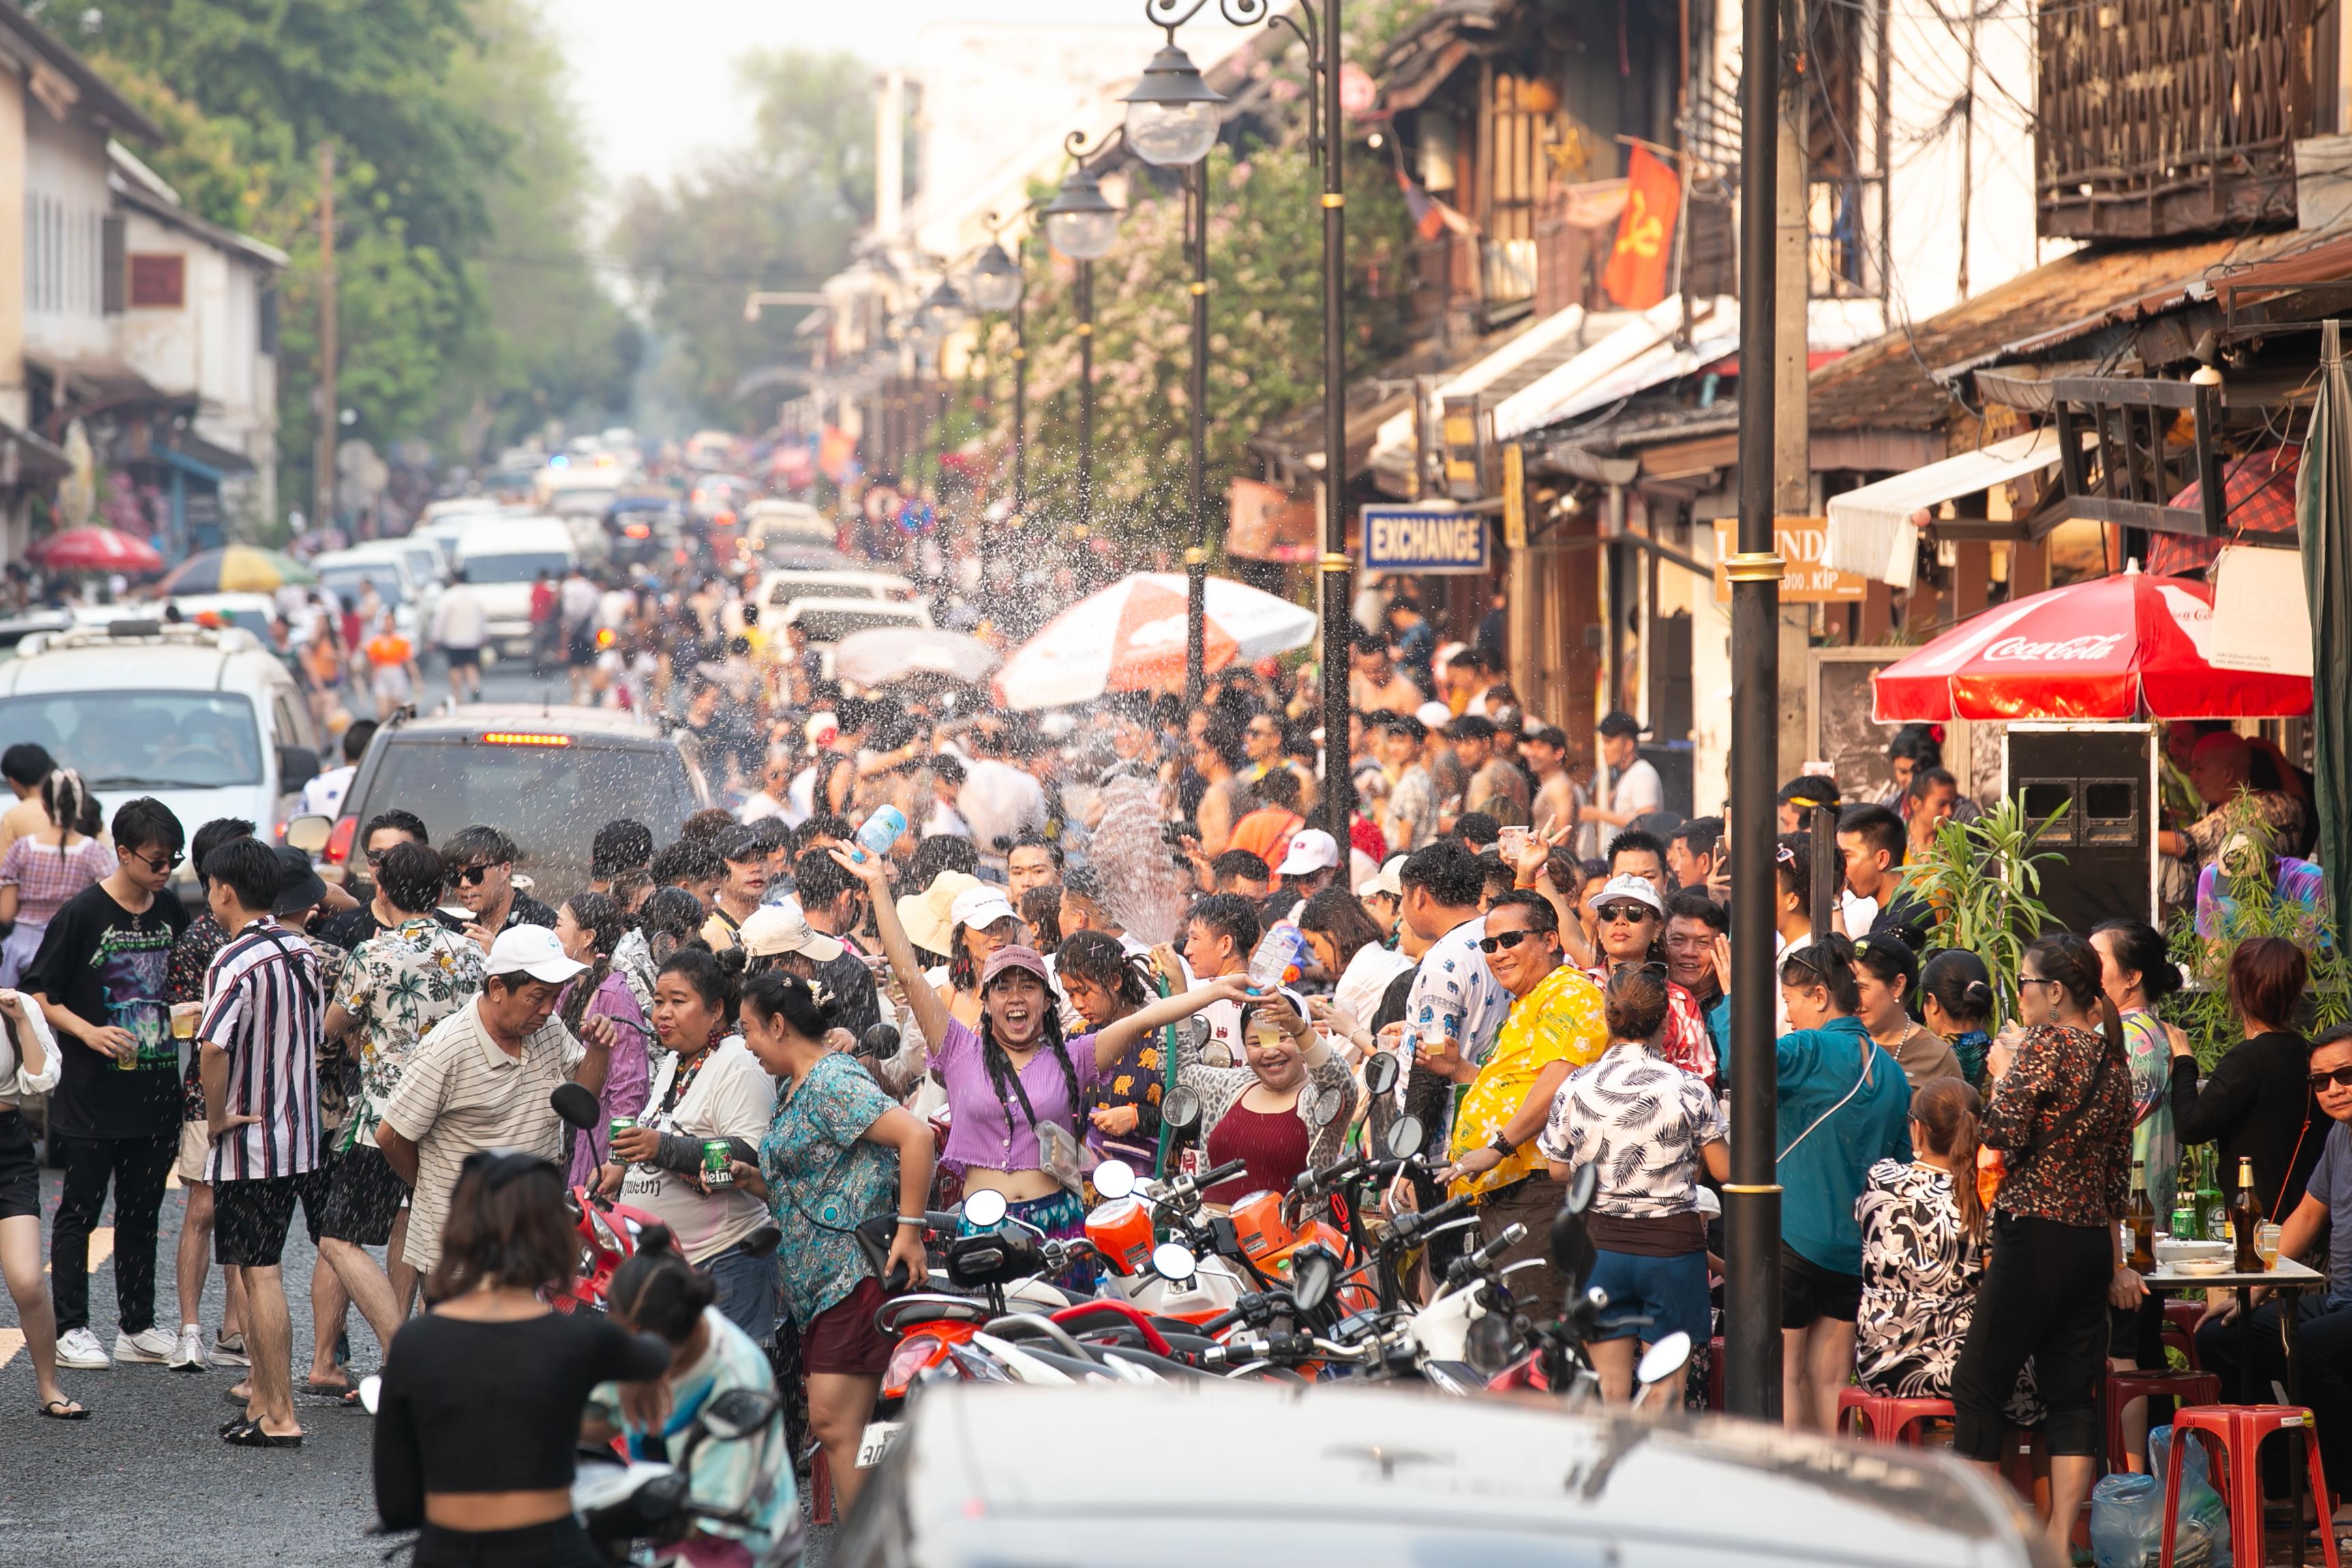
[2078, 651]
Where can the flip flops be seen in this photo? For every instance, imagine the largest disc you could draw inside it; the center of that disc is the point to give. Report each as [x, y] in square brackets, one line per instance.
[63, 1410]
[311, 1386]
[250, 1435]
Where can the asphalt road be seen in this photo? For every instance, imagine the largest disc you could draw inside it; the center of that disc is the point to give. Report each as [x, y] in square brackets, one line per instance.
[146, 1480]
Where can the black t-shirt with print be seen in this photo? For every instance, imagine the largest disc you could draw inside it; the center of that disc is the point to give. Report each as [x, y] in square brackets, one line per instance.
[107, 965]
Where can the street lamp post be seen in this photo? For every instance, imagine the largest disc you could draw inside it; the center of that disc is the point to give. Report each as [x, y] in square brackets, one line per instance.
[1172, 120]
[1081, 224]
[998, 288]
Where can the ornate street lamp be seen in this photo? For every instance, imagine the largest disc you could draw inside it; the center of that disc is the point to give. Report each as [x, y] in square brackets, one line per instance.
[1082, 225]
[998, 288]
[1172, 116]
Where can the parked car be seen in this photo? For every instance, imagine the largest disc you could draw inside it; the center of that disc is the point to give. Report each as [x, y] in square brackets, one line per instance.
[828, 620]
[343, 573]
[547, 776]
[785, 524]
[247, 612]
[995, 1473]
[501, 556]
[206, 720]
[644, 530]
[857, 580]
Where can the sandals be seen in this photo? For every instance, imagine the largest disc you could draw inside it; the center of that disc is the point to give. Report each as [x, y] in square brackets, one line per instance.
[250, 1435]
[63, 1410]
[339, 1391]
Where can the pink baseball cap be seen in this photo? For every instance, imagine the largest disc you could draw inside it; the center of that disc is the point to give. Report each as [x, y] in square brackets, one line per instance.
[1015, 956]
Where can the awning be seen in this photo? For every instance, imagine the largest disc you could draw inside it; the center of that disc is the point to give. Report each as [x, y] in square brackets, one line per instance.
[1639, 355]
[1872, 530]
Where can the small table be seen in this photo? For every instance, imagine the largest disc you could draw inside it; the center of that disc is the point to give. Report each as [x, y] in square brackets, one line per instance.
[2289, 1278]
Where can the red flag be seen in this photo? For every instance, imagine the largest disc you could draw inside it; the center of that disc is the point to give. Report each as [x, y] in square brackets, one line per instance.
[1639, 261]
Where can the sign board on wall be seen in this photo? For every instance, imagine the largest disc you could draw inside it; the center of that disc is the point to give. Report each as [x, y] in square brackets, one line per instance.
[1265, 522]
[1425, 538]
[1804, 544]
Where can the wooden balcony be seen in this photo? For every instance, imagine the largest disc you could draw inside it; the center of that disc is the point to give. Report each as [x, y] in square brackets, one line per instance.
[2164, 117]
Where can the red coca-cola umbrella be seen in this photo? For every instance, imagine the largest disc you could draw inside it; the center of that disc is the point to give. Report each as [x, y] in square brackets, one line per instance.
[2129, 647]
[96, 550]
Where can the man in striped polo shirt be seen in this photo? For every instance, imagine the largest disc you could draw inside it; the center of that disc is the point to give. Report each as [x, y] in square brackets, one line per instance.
[264, 1010]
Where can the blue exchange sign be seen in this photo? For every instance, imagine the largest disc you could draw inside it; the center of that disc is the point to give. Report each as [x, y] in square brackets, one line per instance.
[1423, 539]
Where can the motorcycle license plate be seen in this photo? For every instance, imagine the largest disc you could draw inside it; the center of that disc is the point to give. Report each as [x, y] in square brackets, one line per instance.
[879, 1435]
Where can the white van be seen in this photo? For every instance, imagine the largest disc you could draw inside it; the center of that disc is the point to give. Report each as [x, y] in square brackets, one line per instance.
[501, 557]
[206, 720]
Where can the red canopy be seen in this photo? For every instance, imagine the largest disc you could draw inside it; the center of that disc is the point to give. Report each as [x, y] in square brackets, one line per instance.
[96, 550]
[2120, 647]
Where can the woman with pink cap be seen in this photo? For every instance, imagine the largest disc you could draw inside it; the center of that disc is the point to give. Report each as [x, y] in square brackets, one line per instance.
[1017, 1092]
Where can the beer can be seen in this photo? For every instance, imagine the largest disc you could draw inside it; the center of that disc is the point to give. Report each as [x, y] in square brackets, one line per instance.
[716, 1170]
[2184, 1225]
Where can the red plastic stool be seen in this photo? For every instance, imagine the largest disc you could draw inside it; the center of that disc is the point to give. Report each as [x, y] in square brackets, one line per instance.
[2181, 1321]
[2240, 1430]
[2187, 1388]
[1892, 1420]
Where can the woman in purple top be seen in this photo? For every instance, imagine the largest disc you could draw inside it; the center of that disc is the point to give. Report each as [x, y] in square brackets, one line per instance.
[1014, 1074]
[590, 926]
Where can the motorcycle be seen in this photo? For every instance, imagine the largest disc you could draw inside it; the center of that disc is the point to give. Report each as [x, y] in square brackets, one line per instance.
[608, 1230]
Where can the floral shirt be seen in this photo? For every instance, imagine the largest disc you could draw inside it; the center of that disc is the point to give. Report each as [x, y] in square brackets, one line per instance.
[183, 981]
[2062, 1117]
[1919, 1277]
[1559, 1021]
[2150, 1050]
[1644, 1122]
[396, 987]
[824, 1177]
[1685, 1043]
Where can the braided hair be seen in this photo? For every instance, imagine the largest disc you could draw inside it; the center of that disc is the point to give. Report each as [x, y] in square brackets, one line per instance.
[602, 919]
[1006, 1082]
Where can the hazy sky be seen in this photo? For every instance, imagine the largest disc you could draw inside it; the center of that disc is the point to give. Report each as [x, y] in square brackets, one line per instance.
[657, 83]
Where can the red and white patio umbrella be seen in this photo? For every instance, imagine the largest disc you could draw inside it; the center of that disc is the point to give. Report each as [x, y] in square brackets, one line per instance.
[2121, 647]
[1130, 638]
[96, 548]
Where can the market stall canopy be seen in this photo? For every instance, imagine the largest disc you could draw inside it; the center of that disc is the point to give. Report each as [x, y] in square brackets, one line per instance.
[2123, 648]
[238, 569]
[880, 655]
[1875, 530]
[96, 550]
[1130, 638]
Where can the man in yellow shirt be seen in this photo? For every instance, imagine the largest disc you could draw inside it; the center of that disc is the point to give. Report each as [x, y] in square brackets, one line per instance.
[1556, 1025]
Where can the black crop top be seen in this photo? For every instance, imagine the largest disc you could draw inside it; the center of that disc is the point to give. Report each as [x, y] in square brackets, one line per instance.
[492, 1406]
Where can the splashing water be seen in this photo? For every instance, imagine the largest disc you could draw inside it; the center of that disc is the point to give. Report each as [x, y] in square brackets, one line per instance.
[1141, 888]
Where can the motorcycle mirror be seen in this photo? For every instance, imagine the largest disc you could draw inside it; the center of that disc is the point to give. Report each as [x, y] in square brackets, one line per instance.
[1173, 1262]
[1571, 1248]
[1322, 1105]
[1181, 1110]
[1380, 1073]
[1583, 1183]
[1405, 1137]
[1664, 1358]
[985, 1209]
[1113, 1179]
[1217, 1054]
[881, 1041]
[1313, 1272]
[309, 834]
[740, 1412]
[575, 1104]
[1491, 1345]
[371, 1393]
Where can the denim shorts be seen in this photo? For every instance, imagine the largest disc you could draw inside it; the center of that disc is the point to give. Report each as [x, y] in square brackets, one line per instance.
[1669, 1291]
[747, 1290]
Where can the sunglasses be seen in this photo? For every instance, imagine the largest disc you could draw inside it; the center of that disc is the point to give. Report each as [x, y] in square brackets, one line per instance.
[1622, 914]
[2340, 1077]
[1502, 940]
[163, 867]
[471, 877]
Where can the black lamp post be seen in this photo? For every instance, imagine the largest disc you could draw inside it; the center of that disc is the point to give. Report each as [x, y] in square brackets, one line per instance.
[1172, 121]
[942, 312]
[1082, 225]
[998, 288]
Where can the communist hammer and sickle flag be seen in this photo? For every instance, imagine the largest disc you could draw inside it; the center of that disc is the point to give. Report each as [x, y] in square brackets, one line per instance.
[1639, 261]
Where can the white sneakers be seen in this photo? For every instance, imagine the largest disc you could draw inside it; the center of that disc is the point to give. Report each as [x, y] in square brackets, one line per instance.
[79, 1349]
[151, 1345]
[228, 1349]
[188, 1354]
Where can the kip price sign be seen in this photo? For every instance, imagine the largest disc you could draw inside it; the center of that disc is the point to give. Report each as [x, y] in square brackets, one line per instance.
[1424, 540]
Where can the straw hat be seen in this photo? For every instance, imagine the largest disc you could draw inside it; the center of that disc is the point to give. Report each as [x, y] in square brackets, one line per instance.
[928, 915]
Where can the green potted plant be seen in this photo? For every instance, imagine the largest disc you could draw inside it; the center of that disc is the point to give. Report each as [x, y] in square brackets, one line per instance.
[1982, 882]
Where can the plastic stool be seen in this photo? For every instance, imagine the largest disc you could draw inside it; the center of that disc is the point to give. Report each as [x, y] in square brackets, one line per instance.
[2240, 1430]
[2181, 1321]
[1892, 1420]
[2188, 1388]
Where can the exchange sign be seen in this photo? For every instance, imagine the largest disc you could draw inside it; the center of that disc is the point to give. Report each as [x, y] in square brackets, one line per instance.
[1425, 538]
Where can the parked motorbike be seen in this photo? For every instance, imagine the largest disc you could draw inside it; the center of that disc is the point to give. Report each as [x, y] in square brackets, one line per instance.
[608, 1230]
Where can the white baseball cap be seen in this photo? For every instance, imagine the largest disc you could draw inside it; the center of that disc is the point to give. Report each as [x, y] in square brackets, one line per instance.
[533, 951]
[783, 927]
[1625, 885]
[1311, 849]
[980, 907]
[1433, 715]
[823, 728]
[1387, 879]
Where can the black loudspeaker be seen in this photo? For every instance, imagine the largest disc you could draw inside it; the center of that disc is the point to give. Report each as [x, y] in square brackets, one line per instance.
[2100, 779]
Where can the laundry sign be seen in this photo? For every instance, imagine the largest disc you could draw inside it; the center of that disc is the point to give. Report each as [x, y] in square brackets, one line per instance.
[1425, 538]
[1804, 544]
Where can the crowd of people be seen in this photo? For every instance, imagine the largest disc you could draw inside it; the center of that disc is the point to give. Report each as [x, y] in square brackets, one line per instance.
[1541, 945]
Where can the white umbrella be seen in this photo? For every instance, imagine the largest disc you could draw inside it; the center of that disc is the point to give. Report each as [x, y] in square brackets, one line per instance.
[1130, 638]
[883, 654]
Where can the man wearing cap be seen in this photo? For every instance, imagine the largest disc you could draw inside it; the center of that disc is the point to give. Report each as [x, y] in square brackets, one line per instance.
[1310, 865]
[480, 1079]
[1632, 921]
[1800, 796]
[1557, 795]
[781, 934]
[1627, 787]
[740, 886]
[1381, 894]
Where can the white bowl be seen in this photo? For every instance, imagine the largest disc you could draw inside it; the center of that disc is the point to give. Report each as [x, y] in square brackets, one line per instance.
[2173, 1253]
[2200, 1265]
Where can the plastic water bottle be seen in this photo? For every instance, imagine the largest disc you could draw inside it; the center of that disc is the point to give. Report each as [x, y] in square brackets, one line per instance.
[1280, 957]
[881, 831]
